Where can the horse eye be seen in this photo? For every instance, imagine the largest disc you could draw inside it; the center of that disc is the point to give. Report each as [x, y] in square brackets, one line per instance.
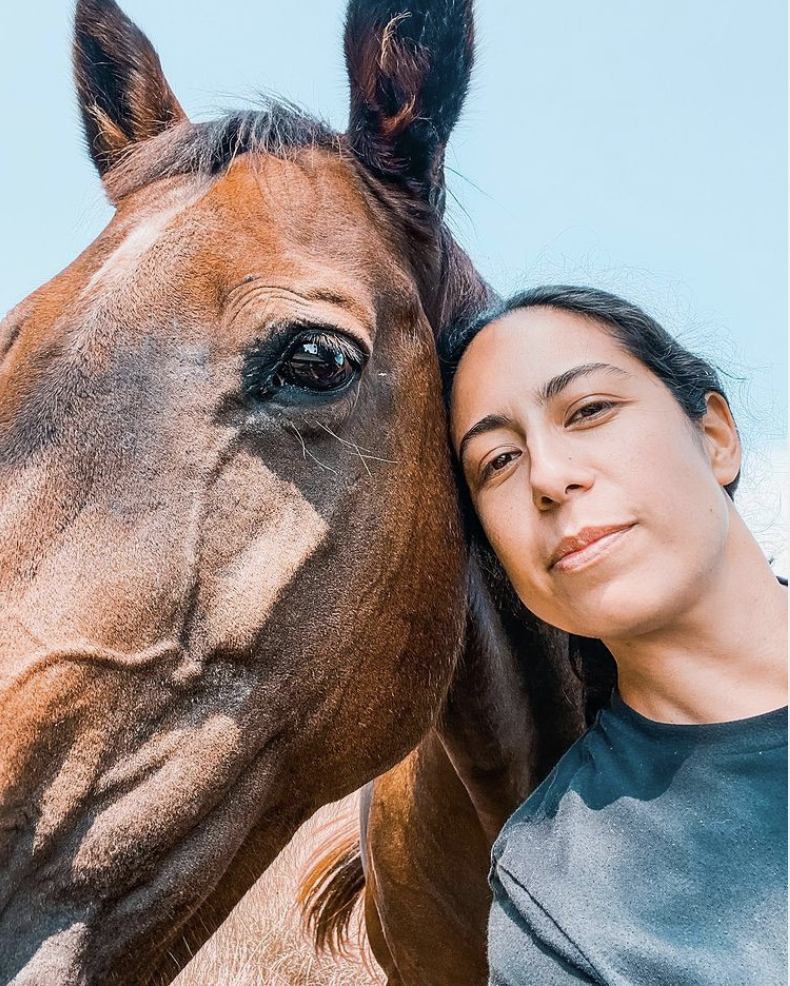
[318, 365]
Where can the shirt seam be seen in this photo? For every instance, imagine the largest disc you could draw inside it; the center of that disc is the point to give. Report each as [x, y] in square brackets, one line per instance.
[593, 969]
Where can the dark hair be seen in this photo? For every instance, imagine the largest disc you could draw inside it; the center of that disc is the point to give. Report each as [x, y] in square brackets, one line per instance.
[688, 378]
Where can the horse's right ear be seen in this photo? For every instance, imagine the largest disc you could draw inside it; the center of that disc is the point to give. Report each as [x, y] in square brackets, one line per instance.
[409, 63]
[123, 94]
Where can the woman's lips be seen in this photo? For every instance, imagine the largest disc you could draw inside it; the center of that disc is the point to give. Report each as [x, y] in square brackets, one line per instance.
[586, 548]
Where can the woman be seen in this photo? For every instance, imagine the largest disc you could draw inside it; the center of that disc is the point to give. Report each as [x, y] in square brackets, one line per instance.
[600, 458]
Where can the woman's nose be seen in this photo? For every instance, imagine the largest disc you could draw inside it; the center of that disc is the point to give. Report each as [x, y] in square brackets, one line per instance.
[556, 474]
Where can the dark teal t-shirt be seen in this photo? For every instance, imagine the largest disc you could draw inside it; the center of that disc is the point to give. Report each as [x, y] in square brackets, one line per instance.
[653, 855]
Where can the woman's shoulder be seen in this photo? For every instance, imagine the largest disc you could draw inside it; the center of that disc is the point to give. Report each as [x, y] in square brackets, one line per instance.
[629, 775]
[574, 772]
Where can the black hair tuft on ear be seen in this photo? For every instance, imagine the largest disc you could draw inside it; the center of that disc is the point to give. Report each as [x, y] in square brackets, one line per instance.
[123, 94]
[409, 64]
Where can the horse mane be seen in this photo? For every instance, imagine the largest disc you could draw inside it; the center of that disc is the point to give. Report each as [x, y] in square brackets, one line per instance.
[330, 889]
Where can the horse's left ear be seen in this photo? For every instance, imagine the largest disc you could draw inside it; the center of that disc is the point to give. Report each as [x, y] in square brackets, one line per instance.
[123, 94]
[409, 63]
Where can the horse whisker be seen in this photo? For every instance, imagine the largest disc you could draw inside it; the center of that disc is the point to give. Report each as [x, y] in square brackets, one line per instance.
[362, 452]
[350, 445]
[306, 451]
[345, 441]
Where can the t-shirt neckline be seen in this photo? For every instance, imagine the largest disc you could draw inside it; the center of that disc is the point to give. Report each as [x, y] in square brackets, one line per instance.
[766, 728]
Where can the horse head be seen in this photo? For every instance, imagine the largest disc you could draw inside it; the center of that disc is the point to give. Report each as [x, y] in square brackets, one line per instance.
[231, 567]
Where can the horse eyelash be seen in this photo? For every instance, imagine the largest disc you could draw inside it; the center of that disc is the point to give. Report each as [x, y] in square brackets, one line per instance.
[261, 368]
[332, 341]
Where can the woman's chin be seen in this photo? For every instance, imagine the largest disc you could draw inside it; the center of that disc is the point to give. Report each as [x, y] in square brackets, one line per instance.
[619, 608]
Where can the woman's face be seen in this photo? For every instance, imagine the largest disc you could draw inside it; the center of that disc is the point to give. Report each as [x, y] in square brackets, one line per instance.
[602, 500]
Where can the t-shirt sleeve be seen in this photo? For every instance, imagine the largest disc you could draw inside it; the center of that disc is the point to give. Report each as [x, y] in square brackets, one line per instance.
[525, 945]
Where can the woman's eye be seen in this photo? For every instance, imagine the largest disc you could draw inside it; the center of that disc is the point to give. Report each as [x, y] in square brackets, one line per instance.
[592, 410]
[498, 463]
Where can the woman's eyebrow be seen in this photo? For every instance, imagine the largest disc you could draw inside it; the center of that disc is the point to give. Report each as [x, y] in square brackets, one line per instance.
[491, 422]
[557, 384]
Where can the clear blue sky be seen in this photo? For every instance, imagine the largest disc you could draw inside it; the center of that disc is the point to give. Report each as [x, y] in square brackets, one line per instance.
[638, 146]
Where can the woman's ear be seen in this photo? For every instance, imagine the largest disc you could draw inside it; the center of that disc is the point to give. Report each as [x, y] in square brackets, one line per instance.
[721, 438]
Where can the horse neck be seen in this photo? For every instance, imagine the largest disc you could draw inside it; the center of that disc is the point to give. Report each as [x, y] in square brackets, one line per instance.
[514, 706]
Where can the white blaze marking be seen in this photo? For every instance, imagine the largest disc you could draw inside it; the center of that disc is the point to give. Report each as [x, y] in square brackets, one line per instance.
[150, 226]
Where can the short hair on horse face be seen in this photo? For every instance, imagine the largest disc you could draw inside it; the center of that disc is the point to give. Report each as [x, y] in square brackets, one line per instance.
[283, 130]
[208, 148]
[688, 377]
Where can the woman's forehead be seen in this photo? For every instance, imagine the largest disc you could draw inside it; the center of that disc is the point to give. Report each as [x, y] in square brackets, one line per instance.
[525, 349]
[545, 335]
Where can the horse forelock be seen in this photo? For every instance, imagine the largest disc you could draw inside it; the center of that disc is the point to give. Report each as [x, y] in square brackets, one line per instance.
[209, 147]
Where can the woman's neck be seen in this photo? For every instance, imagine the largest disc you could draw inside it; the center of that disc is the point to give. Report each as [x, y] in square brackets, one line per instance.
[725, 659]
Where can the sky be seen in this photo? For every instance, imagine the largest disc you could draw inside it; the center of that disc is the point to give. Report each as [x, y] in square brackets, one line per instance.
[633, 146]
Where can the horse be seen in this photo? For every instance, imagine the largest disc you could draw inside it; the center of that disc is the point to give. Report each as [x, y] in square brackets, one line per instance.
[232, 570]
[418, 859]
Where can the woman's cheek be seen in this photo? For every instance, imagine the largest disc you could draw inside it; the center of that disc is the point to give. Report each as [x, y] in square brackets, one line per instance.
[493, 516]
[505, 521]
[508, 543]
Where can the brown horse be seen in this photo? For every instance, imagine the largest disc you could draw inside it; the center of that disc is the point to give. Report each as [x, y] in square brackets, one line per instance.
[231, 567]
[521, 694]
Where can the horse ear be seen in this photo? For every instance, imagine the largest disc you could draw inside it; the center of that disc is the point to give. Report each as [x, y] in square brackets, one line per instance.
[123, 94]
[409, 63]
